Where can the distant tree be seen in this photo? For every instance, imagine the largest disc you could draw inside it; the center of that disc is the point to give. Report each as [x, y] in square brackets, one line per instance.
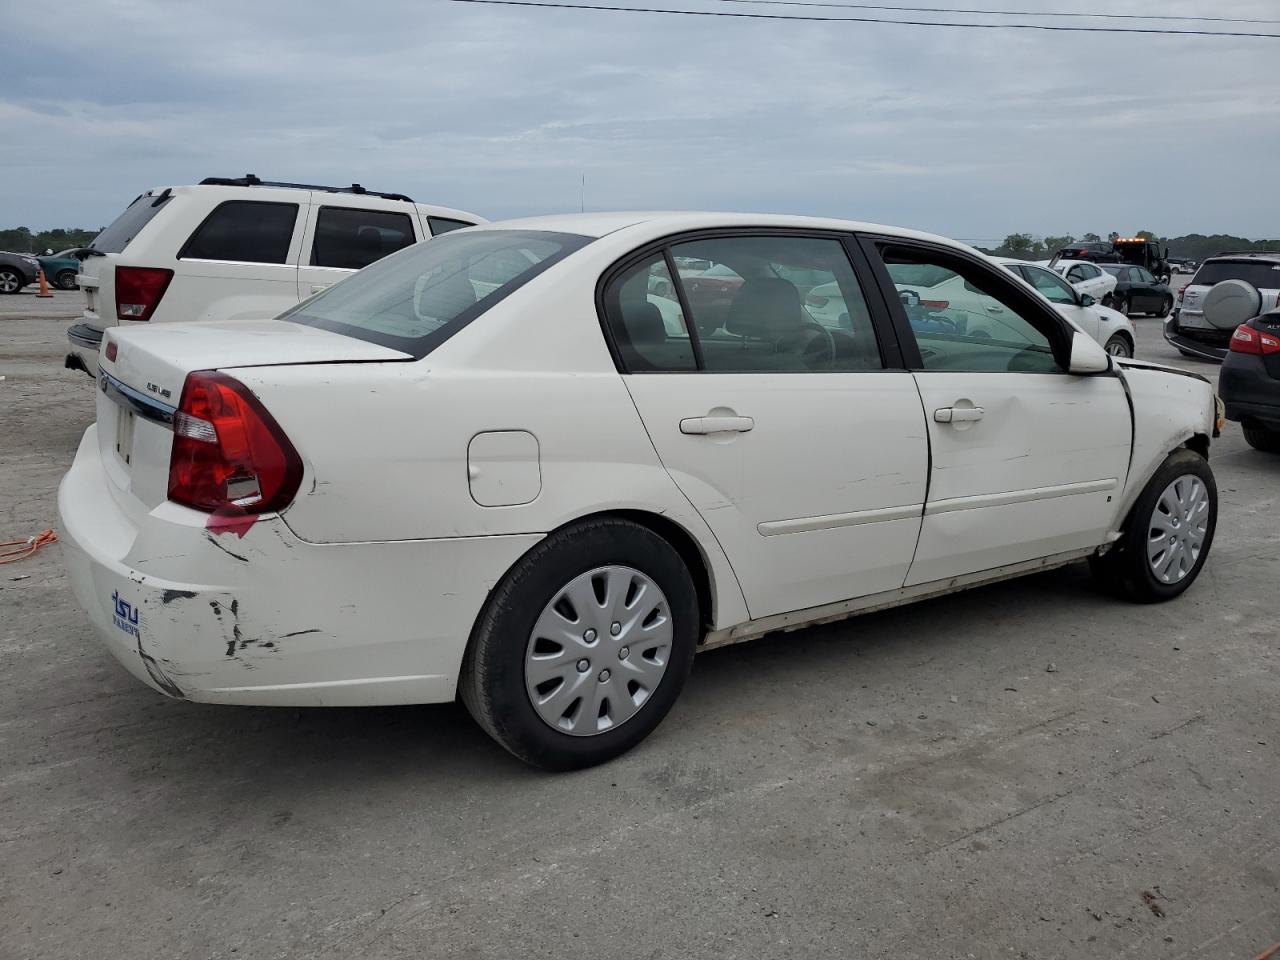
[1019, 245]
[1113, 236]
[1145, 234]
[1053, 244]
[1091, 238]
[22, 240]
[18, 240]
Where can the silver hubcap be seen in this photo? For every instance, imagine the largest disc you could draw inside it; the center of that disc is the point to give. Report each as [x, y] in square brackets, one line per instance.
[1117, 348]
[598, 651]
[8, 282]
[1177, 530]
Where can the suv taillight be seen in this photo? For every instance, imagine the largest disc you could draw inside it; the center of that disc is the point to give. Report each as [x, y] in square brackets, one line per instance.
[1182, 293]
[1248, 340]
[138, 291]
[229, 454]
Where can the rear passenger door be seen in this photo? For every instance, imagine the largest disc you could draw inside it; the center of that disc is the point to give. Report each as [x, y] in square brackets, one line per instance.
[344, 236]
[773, 406]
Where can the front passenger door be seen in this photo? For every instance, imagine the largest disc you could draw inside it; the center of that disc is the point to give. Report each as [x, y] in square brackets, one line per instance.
[1025, 458]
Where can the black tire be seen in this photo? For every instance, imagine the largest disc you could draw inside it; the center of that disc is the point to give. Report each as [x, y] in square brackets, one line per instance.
[65, 280]
[1109, 301]
[1119, 346]
[1166, 308]
[1261, 438]
[11, 281]
[1125, 569]
[492, 685]
[1120, 304]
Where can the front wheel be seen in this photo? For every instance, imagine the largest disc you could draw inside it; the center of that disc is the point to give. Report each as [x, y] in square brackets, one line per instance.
[1166, 307]
[1109, 301]
[1119, 346]
[65, 280]
[584, 646]
[1261, 438]
[1120, 304]
[1167, 537]
[10, 281]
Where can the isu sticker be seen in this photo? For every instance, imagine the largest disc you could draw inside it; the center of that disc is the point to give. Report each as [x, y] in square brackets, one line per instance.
[125, 615]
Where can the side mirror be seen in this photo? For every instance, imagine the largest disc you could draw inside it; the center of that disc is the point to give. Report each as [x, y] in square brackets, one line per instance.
[1087, 356]
[1086, 300]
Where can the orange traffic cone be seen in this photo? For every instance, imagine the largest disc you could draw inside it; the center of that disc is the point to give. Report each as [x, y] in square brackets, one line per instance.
[44, 287]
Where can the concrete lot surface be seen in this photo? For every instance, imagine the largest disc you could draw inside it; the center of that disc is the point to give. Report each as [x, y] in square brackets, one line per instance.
[1031, 770]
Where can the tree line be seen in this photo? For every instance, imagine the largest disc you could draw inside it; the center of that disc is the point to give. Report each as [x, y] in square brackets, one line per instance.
[23, 240]
[1195, 246]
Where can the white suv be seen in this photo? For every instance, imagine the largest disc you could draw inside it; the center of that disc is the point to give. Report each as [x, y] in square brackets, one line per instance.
[237, 249]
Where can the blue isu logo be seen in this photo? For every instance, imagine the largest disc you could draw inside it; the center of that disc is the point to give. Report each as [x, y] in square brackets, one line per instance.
[125, 617]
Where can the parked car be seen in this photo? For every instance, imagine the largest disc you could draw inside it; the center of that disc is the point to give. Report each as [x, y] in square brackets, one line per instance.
[1182, 265]
[1111, 328]
[1249, 383]
[61, 268]
[1139, 291]
[1101, 251]
[401, 490]
[237, 248]
[1226, 291]
[16, 271]
[1088, 278]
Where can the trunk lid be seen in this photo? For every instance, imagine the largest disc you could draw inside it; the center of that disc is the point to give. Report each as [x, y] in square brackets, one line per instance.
[140, 388]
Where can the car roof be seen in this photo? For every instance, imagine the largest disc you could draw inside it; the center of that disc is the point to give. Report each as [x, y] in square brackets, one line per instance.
[1267, 256]
[339, 197]
[598, 225]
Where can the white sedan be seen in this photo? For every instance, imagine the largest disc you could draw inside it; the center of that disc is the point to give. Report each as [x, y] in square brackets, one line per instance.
[542, 499]
[1088, 278]
[1111, 328]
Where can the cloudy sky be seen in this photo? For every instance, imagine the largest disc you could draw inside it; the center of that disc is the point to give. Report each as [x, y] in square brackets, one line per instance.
[503, 111]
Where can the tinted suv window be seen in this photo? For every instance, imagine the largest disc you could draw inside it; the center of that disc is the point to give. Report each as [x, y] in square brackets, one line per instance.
[356, 238]
[441, 225]
[127, 226]
[1260, 273]
[249, 231]
[416, 299]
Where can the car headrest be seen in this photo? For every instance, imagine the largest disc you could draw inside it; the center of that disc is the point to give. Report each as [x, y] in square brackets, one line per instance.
[443, 298]
[643, 322]
[765, 308]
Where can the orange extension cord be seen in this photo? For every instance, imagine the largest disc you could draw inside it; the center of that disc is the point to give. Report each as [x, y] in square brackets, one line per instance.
[26, 547]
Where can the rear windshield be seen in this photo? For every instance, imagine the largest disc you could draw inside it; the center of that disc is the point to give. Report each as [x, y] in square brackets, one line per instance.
[416, 299]
[1263, 275]
[127, 226]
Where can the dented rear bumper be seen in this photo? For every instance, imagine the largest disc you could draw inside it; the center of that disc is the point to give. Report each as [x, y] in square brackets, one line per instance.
[258, 616]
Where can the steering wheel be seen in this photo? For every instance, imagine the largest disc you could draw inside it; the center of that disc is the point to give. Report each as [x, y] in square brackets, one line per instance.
[817, 346]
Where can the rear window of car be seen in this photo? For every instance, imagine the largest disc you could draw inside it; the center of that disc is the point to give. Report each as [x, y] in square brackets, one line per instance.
[130, 223]
[416, 299]
[1117, 270]
[244, 231]
[352, 239]
[1261, 273]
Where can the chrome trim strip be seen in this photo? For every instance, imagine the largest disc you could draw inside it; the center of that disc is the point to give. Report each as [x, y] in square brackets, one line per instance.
[1019, 496]
[144, 406]
[773, 528]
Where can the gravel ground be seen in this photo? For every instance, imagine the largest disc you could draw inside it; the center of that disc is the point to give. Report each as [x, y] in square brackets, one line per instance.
[1029, 770]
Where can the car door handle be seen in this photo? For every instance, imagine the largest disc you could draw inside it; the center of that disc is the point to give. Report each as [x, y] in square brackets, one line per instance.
[704, 425]
[958, 414]
[995, 309]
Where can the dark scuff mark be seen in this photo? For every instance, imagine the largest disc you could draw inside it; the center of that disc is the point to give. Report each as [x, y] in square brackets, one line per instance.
[213, 540]
[158, 675]
[171, 595]
[298, 633]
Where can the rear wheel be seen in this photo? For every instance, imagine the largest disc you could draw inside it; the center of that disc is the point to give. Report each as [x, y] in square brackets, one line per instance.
[1119, 346]
[1108, 301]
[65, 280]
[1166, 307]
[1261, 438]
[1120, 304]
[584, 646]
[1168, 534]
[10, 280]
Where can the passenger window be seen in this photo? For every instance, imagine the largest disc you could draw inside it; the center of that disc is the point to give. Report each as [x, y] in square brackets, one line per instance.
[648, 326]
[776, 304]
[1052, 288]
[441, 225]
[352, 239]
[958, 325]
[248, 231]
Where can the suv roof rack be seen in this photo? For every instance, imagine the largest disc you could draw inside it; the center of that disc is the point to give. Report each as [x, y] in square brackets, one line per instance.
[1275, 254]
[250, 180]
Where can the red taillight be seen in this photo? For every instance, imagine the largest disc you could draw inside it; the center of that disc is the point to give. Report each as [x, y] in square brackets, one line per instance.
[138, 291]
[229, 454]
[1181, 294]
[1248, 340]
[112, 349]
